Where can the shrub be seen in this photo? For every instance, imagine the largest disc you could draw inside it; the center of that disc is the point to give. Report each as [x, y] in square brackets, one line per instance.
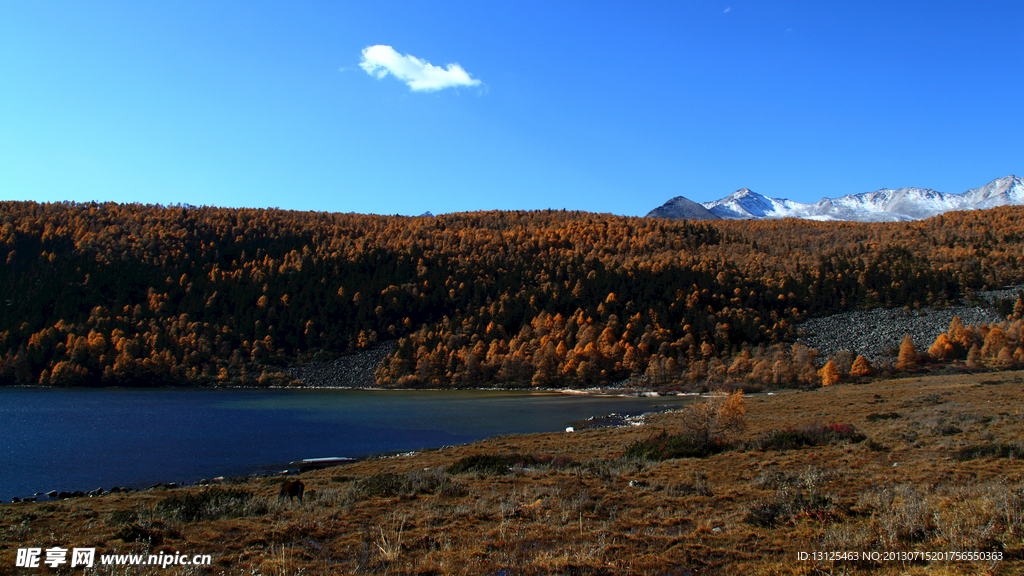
[715, 416]
[387, 484]
[136, 532]
[491, 463]
[561, 462]
[796, 495]
[948, 430]
[704, 425]
[685, 445]
[876, 416]
[809, 435]
[789, 503]
[700, 486]
[211, 504]
[990, 450]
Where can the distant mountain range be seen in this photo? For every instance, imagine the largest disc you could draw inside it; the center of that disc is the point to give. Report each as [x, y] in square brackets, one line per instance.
[884, 205]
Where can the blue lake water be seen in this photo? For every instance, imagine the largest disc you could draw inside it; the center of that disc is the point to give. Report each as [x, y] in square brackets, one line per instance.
[82, 439]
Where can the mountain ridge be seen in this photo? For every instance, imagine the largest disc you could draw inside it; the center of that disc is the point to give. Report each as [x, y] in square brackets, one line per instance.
[883, 205]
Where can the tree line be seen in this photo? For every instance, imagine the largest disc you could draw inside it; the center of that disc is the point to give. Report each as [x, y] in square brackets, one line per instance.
[103, 294]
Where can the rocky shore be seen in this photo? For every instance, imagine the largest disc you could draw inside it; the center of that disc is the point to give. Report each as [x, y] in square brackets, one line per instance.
[349, 371]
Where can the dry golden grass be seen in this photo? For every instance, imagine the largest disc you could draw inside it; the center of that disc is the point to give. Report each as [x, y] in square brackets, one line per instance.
[938, 471]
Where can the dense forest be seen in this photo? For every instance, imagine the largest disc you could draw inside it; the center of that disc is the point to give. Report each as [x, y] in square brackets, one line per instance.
[109, 294]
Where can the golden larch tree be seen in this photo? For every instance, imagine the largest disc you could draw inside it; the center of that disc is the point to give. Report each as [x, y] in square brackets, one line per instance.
[908, 355]
[941, 349]
[829, 374]
[974, 357]
[861, 367]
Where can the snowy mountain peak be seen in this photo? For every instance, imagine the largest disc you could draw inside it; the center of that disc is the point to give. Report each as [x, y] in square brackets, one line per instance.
[884, 205]
[999, 192]
[742, 193]
[745, 204]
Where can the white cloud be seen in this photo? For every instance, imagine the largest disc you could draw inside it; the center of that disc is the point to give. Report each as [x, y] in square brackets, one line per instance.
[420, 75]
[727, 10]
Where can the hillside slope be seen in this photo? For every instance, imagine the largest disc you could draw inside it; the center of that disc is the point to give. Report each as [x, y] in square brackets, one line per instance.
[104, 294]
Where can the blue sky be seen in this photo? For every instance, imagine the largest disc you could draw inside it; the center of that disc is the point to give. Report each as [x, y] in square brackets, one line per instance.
[600, 106]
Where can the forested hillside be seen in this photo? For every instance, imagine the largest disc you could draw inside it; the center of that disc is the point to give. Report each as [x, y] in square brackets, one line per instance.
[96, 294]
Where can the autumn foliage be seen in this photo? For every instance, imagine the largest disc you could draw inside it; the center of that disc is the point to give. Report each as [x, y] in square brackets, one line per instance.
[861, 367]
[829, 374]
[143, 295]
[908, 355]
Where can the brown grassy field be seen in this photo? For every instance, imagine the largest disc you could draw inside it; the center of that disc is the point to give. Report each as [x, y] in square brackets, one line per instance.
[932, 464]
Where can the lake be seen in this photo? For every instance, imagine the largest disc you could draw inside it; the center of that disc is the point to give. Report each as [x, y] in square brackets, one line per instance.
[81, 439]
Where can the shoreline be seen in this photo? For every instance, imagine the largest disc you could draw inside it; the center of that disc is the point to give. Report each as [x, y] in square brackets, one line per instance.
[748, 509]
[616, 419]
[616, 392]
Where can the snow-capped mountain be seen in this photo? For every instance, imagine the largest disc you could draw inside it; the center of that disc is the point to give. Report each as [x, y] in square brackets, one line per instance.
[881, 206]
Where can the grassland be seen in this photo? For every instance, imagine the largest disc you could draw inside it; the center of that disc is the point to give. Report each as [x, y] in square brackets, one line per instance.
[917, 464]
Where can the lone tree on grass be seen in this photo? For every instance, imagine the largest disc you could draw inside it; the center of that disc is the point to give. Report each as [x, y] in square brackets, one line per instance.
[714, 417]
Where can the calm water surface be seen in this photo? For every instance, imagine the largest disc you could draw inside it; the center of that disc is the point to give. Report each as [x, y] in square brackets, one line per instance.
[82, 439]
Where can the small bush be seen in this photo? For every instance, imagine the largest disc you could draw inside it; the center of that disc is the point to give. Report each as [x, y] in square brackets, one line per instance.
[665, 446]
[990, 450]
[700, 486]
[451, 488]
[902, 513]
[789, 503]
[119, 517]
[389, 484]
[211, 504]
[560, 462]
[877, 446]
[876, 416]
[138, 533]
[492, 463]
[766, 514]
[385, 484]
[809, 435]
[948, 430]
[773, 479]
